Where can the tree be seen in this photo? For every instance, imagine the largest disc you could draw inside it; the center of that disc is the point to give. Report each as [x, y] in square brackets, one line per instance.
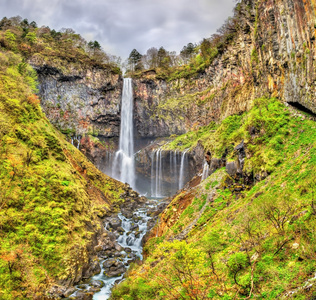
[16, 21]
[5, 23]
[187, 52]
[25, 23]
[183, 274]
[205, 48]
[31, 37]
[134, 60]
[44, 31]
[56, 34]
[33, 24]
[161, 55]
[68, 31]
[152, 58]
[94, 45]
[10, 39]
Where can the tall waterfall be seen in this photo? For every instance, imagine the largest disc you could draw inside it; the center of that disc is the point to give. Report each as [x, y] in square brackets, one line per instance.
[123, 165]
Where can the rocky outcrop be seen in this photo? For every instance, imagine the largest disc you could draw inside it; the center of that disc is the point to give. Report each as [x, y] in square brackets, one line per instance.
[148, 95]
[272, 54]
[85, 101]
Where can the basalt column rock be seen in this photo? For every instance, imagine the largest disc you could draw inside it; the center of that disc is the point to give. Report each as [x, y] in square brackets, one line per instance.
[148, 121]
[81, 102]
[272, 53]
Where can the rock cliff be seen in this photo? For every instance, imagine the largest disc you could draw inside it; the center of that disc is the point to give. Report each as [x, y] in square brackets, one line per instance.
[79, 102]
[271, 54]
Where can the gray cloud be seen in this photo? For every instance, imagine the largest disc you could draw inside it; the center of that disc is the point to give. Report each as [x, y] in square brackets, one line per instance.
[121, 25]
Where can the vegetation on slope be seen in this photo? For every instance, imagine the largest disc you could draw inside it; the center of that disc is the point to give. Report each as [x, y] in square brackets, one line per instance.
[50, 195]
[243, 242]
[193, 58]
[64, 50]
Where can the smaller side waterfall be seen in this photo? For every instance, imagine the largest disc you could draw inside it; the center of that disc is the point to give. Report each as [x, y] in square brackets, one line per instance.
[184, 162]
[75, 141]
[206, 170]
[169, 172]
[156, 174]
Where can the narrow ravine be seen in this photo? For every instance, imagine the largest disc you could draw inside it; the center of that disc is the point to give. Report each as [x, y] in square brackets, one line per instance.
[131, 233]
[127, 229]
[121, 244]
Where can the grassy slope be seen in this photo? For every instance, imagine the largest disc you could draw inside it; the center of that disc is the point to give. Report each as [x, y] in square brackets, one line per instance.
[49, 192]
[258, 245]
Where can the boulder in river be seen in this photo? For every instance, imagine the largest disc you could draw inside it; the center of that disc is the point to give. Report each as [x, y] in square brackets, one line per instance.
[82, 295]
[113, 268]
[97, 283]
[114, 223]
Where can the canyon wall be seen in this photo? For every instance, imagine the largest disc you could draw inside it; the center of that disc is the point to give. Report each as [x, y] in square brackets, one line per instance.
[272, 54]
[79, 102]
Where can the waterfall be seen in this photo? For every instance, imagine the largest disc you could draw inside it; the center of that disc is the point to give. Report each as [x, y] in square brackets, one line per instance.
[159, 189]
[152, 180]
[156, 173]
[175, 165]
[108, 164]
[174, 168]
[206, 169]
[123, 165]
[162, 183]
[182, 166]
[76, 138]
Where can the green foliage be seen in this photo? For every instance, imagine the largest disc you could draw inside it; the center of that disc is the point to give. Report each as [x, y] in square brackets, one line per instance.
[10, 39]
[49, 191]
[254, 56]
[177, 275]
[64, 50]
[237, 263]
[31, 37]
[260, 244]
[134, 60]
[196, 58]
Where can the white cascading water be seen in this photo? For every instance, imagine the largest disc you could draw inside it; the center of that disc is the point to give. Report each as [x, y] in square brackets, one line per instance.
[178, 166]
[182, 166]
[123, 165]
[76, 138]
[131, 239]
[156, 179]
[206, 169]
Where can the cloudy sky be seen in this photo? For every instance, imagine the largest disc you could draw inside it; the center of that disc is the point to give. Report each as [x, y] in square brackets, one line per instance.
[122, 25]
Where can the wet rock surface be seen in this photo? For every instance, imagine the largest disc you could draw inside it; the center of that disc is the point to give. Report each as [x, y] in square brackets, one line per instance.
[120, 245]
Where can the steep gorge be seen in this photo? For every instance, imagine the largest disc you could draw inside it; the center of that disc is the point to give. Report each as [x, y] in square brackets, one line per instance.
[246, 231]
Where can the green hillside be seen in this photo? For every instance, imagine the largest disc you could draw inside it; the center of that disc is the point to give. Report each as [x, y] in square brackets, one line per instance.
[50, 195]
[238, 237]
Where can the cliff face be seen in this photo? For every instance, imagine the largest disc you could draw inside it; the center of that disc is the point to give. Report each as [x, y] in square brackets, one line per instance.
[272, 54]
[81, 102]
